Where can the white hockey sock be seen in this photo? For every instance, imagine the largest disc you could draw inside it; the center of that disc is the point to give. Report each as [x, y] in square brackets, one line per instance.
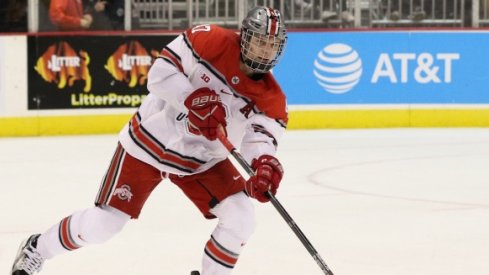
[236, 224]
[90, 226]
[218, 260]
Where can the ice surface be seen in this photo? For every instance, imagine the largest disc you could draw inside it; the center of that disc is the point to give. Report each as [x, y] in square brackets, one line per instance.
[372, 202]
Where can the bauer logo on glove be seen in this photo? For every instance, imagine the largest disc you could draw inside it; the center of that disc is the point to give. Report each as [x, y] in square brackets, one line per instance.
[205, 99]
[206, 113]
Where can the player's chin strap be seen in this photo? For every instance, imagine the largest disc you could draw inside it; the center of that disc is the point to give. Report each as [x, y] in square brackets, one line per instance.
[278, 206]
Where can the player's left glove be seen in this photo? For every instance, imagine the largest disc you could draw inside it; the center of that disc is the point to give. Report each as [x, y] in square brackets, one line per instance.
[269, 173]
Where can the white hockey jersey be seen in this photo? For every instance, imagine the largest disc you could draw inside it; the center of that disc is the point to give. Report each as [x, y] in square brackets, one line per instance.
[204, 56]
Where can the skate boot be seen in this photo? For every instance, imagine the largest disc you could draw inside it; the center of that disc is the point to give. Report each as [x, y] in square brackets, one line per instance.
[194, 273]
[28, 261]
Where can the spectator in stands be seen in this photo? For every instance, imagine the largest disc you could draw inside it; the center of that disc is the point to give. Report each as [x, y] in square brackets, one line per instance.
[340, 11]
[440, 12]
[311, 9]
[345, 15]
[402, 10]
[107, 15]
[69, 15]
[303, 4]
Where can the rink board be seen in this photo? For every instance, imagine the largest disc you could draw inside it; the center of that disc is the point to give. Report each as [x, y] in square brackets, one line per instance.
[305, 119]
[347, 79]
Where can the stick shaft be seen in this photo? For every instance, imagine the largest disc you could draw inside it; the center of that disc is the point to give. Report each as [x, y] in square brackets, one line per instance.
[278, 206]
[298, 232]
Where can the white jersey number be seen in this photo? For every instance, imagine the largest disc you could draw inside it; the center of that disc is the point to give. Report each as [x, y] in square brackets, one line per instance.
[201, 28]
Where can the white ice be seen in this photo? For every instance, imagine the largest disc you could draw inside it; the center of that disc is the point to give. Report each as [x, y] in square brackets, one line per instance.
[372, 202]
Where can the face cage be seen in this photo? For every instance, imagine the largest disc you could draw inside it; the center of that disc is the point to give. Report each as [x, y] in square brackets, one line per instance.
[258, 59]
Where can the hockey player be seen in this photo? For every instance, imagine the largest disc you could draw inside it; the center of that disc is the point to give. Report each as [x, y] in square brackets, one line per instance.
[207, 79]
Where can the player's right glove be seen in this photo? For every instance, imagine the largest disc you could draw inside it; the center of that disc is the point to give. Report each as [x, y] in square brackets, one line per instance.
[268, 174]
[205, 113]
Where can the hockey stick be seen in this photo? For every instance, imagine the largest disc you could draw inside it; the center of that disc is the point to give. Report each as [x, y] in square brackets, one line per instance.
[278, 206]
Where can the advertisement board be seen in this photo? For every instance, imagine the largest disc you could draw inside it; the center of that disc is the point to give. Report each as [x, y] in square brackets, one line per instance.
[421, 67]
[90, 83]
[68, 72]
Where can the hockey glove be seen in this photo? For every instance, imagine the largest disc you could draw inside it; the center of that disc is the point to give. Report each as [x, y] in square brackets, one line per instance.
[206, 113]
[268, 174]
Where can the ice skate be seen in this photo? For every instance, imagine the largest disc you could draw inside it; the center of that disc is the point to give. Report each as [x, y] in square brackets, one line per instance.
[28, 261]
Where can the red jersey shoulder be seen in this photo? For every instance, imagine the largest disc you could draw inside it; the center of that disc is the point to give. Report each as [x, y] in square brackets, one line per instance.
[209, 41]
[269, 98]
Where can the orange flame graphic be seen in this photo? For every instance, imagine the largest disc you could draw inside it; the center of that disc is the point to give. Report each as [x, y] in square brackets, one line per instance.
[130, 63]
[60, 64]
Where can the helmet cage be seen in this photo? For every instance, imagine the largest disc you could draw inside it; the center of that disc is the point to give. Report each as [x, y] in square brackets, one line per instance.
[263, 39]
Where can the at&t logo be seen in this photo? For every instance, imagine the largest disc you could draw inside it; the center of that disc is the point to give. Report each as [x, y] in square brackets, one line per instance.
[338, 68]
